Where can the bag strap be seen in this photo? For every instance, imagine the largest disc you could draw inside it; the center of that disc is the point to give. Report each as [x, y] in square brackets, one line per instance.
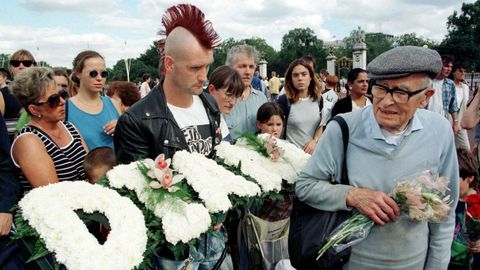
[345, 136]
[66, 110]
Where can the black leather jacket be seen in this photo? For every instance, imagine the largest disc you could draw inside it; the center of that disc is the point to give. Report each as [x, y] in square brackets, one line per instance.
[148, 128]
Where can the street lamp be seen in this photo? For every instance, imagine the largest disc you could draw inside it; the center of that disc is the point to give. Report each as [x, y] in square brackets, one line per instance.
[127, 63]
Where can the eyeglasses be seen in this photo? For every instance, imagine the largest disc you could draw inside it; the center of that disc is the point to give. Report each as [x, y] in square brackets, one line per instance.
[228, 95]
[398, 95]
[95, 73]
[54, 100]
[26, 63]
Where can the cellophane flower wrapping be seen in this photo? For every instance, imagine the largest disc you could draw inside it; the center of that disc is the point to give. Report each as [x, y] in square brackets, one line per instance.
[472, 217]
[421, 197]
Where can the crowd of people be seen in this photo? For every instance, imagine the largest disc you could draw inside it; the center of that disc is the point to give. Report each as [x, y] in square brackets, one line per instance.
[407, 111]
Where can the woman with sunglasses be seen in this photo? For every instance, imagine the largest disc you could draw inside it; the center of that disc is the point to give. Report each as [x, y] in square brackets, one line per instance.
[62, 81]
[47, 149]
[10, 110]
[94, 115]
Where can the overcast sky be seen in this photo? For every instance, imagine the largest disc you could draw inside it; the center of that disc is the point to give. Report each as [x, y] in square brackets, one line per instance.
[57, 30]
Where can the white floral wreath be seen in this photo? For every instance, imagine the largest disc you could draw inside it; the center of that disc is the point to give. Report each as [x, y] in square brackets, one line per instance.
[212, 182]
[181, 221]
[50, 211]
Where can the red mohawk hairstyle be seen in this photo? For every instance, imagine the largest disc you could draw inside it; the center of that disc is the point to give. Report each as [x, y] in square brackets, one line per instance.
[191, 18]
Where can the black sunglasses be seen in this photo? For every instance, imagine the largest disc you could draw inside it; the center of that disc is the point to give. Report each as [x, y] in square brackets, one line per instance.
[54, 100]
[26, 63]
[95, 73]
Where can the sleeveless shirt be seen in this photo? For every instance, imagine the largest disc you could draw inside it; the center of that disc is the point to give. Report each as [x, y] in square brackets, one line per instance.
[68, 160]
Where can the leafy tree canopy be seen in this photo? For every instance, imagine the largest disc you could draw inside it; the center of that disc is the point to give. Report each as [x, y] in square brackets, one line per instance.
[463, 39]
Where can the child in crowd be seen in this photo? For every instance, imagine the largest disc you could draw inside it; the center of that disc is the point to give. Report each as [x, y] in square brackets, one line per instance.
[270, 119]
[462, 249]
[98, 162]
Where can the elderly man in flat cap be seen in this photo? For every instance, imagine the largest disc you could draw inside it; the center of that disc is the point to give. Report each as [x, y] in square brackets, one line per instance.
[391, 140]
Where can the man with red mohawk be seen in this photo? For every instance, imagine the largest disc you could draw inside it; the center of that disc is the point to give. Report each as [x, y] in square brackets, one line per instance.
[178, 115]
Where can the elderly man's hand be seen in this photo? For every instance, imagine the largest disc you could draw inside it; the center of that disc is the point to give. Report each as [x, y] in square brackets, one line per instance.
[5, 223]
[376, 205]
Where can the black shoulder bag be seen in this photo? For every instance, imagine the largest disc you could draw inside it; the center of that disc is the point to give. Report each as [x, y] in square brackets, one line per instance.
[310, 226]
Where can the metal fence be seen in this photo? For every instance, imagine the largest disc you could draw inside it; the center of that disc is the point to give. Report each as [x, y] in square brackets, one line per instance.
[473, 79]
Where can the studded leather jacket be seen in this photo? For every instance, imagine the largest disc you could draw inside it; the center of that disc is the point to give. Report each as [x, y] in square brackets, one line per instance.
[148, 128]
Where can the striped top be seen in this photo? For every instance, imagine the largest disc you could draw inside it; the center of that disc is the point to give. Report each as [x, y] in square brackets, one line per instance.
[68, 160]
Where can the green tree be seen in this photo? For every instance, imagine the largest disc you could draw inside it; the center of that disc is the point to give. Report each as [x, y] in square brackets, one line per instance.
[299, 42]
[150, 57]
[4, 58]
[147, 62]
[137, 69]
[463, 38]
[414, 40]
[266, 51]
[347, 49]
[377, 43]
[220, 52]
[118, 71]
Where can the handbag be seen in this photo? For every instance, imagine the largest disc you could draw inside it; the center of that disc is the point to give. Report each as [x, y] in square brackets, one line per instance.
[310, 226]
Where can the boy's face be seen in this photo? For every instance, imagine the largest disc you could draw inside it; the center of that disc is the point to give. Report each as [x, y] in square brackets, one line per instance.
[465, 186]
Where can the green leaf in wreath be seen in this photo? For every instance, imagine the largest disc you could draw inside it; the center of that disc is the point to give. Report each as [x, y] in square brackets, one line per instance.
[39, 251]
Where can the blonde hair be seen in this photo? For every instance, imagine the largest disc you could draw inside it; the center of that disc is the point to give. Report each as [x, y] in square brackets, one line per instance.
[30, 84]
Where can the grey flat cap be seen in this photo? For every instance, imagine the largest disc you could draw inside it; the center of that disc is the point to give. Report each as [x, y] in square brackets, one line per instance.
[403, 61]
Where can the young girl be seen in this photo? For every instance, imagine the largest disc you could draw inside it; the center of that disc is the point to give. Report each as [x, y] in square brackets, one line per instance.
[270, 119]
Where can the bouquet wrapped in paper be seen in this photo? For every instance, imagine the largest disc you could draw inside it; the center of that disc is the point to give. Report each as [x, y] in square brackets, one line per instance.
[425, 198]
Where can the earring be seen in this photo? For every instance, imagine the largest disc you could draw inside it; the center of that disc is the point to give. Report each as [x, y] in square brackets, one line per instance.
[38, 116]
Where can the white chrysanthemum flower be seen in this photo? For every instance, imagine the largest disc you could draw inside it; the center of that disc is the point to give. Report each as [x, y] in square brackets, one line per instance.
[213, 182]
[125, 175]
[251, 165]
[70, 240]
[190, 214]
